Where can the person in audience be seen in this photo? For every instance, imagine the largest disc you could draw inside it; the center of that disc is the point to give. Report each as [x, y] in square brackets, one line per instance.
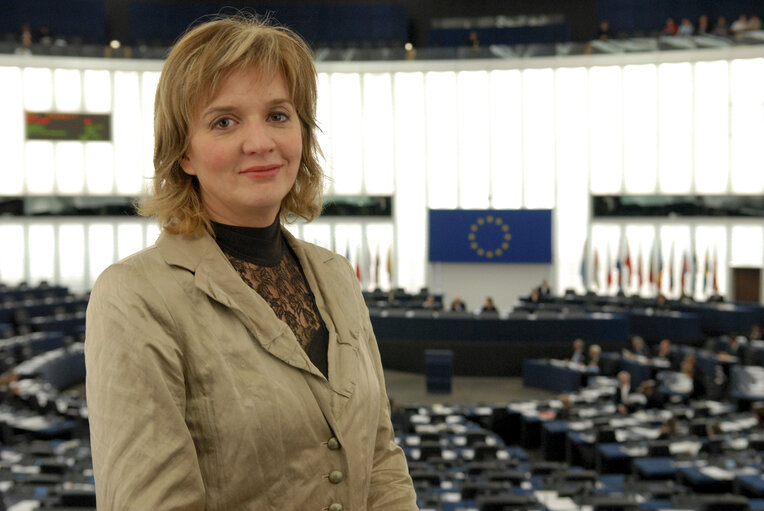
[698, 382]
[230, 365]
[578, 352]
[685, 28]
[721, 27]
[594, 360]
[488, 306]
[457, 305]
[430, 303]
[534, 296]
[651, 398]
[703, 27]
[666, 353]
[670, 28]
[604, 32]
[739, 26]
[564, 413]
[544, 289]
[754, 22]
[755, 334]
[623, 401]
[668, 429]
[638, 348]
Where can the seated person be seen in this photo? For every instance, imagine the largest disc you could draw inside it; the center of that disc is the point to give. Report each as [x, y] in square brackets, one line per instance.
[458, 305]
[578, 352]
[544, 289]
[489, 306]
[638, 348]
[565, 412]
[665, 352]
[651, 398]
[698, 382]
[623, 401]
[594, 360]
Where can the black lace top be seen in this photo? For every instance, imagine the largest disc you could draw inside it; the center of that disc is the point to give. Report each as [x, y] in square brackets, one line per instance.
[267, 264]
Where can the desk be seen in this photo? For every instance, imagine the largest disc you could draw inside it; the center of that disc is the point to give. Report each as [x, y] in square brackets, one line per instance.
[490, 346]
[701, 482]
[552, 376]
[616, 458]
[652, 469]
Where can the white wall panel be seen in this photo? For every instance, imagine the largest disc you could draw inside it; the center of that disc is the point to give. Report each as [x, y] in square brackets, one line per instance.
[712, 127]
[571, 215]
[474, 140]
[675, 123]
[378, 146]
[506, 117]
[442, 125]
[67, 89]
[71, 255]
[11, 132]
[605, 130]
[70, 168]
[38, 89]
[13, 254]
[100, 248]
[41, 252]
[747, 125]
[747, 247]
[640, 136]
[538, 138]
[410, 214]
[149, 81]
[99, 167]
[346, 139]
[128, 134]
[40, 167]
[97, 91]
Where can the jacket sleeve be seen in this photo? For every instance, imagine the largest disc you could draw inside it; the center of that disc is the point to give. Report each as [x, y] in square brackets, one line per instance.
[143, 454]
[391, 485]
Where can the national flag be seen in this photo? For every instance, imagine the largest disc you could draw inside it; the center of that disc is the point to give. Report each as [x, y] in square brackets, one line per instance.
[609, 270]
[716, 272]
[660, 268]
[652, 276]
[390, 265]
[596, 268]
[685, 271]
[628, 264]
[671, 269]
[706, 267]
[694, 273]
[640, 276]
[582, 269]
[377, 257]
[358, 266]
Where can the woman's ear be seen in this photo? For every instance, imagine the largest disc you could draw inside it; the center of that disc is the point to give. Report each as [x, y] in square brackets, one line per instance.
[185, 164]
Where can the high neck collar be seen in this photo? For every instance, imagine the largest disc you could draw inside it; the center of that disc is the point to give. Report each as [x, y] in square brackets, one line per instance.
[263, 246]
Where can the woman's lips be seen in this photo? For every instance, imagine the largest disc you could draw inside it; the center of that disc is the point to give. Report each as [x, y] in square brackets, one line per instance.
[261, 171]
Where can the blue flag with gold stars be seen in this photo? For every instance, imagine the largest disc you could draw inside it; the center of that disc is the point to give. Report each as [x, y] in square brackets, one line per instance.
[491, 236]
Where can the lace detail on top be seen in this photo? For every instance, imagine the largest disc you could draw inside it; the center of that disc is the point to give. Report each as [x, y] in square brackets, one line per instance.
[286, 290]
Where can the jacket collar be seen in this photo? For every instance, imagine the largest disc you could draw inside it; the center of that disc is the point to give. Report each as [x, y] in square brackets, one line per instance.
[216, 277]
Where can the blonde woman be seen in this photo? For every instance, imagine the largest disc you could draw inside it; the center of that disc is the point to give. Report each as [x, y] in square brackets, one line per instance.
[231, 366]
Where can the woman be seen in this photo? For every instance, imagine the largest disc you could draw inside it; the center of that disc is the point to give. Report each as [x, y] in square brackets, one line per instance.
[231, 366]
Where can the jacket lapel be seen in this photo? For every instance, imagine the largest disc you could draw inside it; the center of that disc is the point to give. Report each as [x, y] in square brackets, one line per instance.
[214, 276]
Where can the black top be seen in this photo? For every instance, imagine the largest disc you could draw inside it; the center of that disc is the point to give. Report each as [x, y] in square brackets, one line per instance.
[268, 265]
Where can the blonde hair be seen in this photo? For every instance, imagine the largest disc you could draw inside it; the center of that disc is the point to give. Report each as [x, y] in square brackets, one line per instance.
[203, 57]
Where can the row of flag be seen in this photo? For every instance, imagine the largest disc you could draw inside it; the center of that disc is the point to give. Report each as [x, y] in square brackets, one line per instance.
[620, 272]
[368, 266]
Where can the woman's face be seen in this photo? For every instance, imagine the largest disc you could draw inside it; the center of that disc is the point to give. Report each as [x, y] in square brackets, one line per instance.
[245, 149]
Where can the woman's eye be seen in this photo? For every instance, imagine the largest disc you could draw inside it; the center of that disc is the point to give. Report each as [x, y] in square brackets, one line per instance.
[224, 123]
[279, 117]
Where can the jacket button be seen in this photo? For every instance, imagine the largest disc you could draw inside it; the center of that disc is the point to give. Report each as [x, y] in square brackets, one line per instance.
[335, 507]
[333, 444]
[336, 477]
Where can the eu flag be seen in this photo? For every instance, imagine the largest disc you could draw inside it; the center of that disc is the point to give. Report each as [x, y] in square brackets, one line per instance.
[490, 235]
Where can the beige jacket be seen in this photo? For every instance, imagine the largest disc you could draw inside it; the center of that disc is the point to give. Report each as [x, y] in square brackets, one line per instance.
[200, 398]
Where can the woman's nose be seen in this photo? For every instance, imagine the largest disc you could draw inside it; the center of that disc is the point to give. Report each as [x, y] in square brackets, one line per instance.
[258, 138]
